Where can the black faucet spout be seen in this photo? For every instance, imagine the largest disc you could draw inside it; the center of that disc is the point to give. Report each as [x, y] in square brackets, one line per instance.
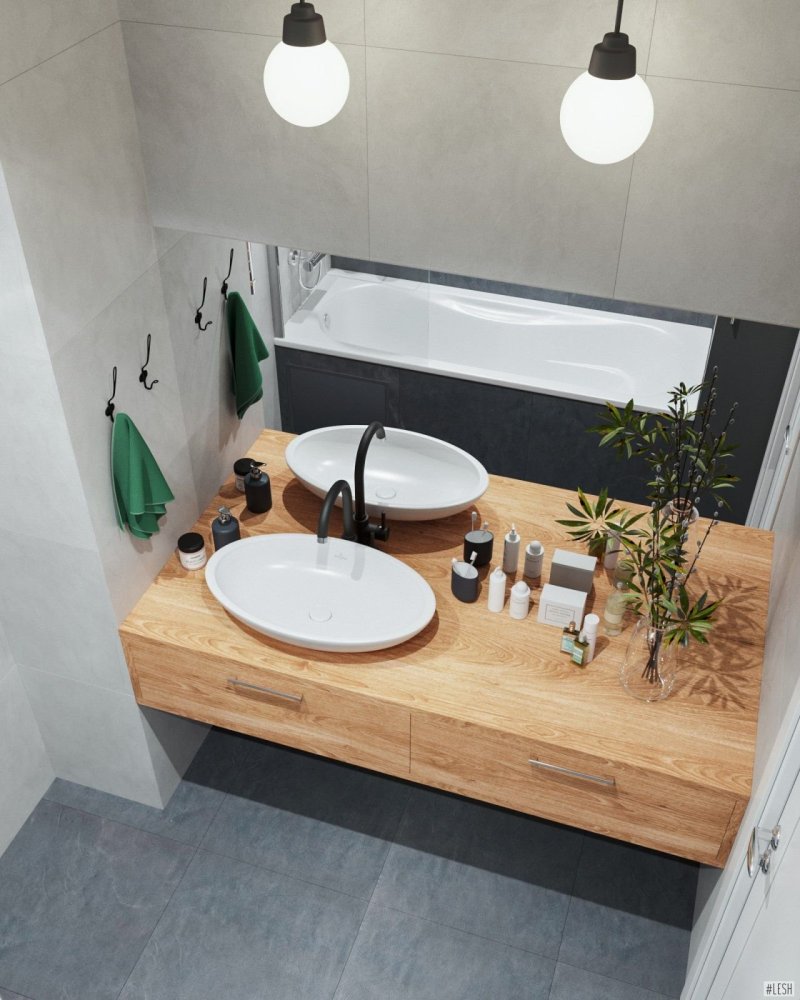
[365, 531]
[343, 487]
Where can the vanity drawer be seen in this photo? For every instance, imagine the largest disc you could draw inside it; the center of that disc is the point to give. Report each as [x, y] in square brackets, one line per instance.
[577, 789]
[272, 706]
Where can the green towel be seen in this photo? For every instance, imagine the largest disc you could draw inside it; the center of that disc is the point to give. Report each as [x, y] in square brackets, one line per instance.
[140, 491]
[247, 349]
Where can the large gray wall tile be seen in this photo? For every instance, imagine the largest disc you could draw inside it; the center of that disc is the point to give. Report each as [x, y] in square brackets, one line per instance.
[553, 32]
[118, 336]
[42, 28]
[728, 41]
[70, 152]
[469, 172]
[712, 214]
[80, 641]
[94, 736]
[344, 19]
[219, 160]
[26, 771]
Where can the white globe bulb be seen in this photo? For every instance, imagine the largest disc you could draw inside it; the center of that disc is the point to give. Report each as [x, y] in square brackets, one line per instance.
[605, 121]
[306, 85]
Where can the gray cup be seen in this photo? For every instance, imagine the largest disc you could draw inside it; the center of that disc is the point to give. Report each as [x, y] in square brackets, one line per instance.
[465, 587]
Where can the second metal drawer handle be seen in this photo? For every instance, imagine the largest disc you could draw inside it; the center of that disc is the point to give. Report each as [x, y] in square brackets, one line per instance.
[297, 698]
[571, 773]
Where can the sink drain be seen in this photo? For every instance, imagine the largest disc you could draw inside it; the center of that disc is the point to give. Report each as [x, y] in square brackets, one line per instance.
[319, 613]
[386, 493]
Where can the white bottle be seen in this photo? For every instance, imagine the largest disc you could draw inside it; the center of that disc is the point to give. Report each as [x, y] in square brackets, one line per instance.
[591, 623]
[511, 551]
[534, 556]
[497, 590]
[520, 600]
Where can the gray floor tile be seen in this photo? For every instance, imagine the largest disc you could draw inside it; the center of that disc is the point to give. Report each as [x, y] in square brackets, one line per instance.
[310, 818]
[186, 817]
[626, 947]
[577, 984]
[79, 896]
[645, 883]
[7, 995]
[400, 957]
[244, 933]
[480, 869]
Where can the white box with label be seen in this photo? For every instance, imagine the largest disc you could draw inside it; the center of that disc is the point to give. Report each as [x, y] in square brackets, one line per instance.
[558, 606]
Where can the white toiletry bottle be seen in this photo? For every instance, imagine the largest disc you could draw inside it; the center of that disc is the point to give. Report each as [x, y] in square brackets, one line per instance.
[511, 551]
[534, 557]
[591, 623]
[497, 590]
[520, 600]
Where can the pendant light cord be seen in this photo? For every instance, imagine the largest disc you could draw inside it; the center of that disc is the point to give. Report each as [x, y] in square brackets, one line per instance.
[618, 21]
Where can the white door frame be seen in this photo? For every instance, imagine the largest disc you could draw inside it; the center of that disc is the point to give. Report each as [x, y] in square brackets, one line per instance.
[717, 954]
[783, 441]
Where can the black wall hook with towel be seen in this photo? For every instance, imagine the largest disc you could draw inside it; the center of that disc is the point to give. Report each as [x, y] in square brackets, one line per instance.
[198, 316]
[109, 404]
[224, 289]
[143, 374]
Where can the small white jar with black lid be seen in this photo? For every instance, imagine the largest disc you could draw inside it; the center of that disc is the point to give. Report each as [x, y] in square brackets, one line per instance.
[192, 550]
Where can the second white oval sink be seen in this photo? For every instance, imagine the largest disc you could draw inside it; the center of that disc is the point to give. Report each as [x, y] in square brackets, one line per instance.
[409, 476]
[337, 596]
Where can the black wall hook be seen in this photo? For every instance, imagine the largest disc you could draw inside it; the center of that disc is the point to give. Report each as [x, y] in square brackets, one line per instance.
[224, 289]
[143, 374]
[198, 316]
[109, 404]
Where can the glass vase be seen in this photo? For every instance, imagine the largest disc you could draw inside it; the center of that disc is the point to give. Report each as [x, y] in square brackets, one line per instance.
[682, 513]
[651, 664]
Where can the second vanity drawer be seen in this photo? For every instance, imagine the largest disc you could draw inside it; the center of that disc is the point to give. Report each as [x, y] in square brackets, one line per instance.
[273, 706]
[577, 789]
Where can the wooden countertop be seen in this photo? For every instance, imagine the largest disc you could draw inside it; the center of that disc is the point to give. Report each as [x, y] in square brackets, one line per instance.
[474, 666]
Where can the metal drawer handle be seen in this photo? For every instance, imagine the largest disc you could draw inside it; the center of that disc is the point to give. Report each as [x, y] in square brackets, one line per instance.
[297, 698]
[573, 774]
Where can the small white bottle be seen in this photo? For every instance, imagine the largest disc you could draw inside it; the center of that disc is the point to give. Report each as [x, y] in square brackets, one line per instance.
[534, 556]
[511, 551]
[591, 623]
[519, 602]
[497, 590]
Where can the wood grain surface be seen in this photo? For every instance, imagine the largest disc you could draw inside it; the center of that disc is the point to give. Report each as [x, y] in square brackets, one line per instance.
[687, 760]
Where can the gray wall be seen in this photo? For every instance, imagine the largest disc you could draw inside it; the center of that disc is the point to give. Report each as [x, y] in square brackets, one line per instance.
[82, 290]
[448, 153]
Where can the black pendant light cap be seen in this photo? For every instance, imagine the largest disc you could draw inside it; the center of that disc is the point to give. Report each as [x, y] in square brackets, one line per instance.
[614, 58]
[303, 26]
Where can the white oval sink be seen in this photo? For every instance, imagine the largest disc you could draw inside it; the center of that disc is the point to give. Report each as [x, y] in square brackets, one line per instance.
[337, 596]
[409, 476]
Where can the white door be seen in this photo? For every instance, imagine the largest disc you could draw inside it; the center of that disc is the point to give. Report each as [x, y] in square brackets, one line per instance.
[770, 921]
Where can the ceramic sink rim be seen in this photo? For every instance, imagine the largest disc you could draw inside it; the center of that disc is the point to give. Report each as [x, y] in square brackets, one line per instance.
[325, 569]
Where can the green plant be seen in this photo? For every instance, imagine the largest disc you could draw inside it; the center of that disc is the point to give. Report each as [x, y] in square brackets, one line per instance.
[686, 458]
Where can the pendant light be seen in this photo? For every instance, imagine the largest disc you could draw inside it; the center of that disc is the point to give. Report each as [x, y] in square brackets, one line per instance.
[607, 113]
[306, 79]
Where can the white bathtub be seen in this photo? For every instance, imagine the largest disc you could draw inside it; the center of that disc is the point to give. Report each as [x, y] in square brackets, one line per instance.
[539, 346]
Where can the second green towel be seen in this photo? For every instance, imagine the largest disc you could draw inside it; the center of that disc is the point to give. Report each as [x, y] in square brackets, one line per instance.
[140, 491]
[247, 349]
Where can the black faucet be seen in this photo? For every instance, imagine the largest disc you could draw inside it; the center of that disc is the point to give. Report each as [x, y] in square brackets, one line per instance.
[343, 487]
[365, 531]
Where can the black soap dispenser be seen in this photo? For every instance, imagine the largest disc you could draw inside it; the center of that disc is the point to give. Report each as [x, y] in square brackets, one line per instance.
[257, 490]
[225, 529]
